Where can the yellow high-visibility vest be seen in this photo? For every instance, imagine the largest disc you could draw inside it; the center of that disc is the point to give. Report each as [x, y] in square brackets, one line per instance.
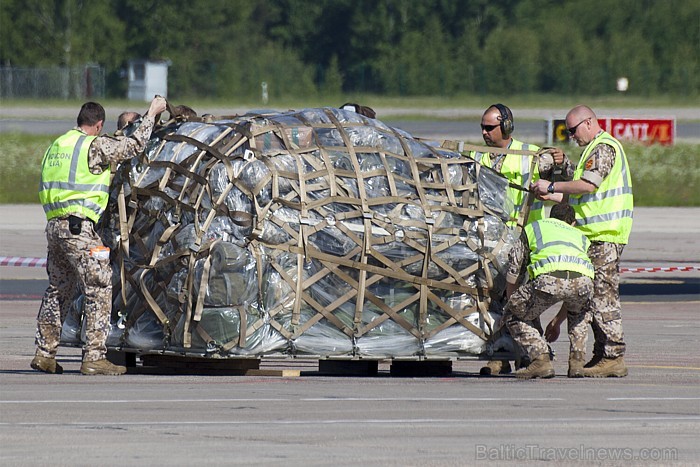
[557, 246]
[606, 214]
[516, 169]
[67, 186]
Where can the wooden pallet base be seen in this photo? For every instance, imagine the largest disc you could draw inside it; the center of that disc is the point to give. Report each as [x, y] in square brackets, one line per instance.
[421, 368]
[348, 367]
[187, 365]
[170, 364]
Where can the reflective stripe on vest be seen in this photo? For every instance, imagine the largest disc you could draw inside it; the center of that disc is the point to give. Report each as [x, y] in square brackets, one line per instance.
[70, 188]
[606, 214]
[517, 170]
[557, 246]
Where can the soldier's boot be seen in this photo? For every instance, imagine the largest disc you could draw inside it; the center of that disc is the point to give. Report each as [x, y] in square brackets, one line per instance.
[607, 367]
[496, 367]
[541, 367]
[102, 367]
[594, 360]
[46, 364]
[576, 361]
[523, 362]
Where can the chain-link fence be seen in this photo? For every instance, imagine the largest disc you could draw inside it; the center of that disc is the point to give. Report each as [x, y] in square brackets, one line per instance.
[81, 82]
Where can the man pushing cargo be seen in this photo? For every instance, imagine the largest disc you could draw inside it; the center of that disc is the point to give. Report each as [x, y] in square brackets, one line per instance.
[73, 191]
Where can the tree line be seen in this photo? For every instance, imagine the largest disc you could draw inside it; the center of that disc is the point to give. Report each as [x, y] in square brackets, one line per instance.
[226, 48]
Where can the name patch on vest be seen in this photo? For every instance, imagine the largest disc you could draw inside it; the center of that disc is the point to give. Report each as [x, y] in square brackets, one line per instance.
[55, 160]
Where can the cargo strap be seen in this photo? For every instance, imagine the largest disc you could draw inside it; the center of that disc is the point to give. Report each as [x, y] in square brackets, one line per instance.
[182, 188]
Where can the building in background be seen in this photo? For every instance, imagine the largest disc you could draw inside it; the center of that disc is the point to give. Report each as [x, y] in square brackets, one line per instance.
[147, 78]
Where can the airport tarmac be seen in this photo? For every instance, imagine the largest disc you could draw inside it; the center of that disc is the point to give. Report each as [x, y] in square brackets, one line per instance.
[651, 416]
[438, 124]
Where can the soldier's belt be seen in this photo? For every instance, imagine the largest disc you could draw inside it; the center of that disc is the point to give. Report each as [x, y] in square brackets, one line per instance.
[565, 274]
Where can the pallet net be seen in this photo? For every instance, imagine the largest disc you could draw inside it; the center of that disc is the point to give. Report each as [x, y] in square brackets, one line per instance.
[315, 232]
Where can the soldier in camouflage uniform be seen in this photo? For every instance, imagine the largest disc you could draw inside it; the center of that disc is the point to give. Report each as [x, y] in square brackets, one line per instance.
[559, 270]
[73, 191]
[496, 128]
[601, 194]
[125, 119]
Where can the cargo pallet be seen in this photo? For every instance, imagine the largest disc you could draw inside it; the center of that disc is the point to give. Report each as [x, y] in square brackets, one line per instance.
[280, 365]
[287, 229]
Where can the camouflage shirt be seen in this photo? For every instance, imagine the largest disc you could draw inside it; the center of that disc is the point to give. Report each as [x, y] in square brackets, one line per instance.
[545, 166]
[599, 164]
[518, 259]
[106, 149]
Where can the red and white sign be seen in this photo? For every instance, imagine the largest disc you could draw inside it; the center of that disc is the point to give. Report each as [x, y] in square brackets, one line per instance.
[644, 130]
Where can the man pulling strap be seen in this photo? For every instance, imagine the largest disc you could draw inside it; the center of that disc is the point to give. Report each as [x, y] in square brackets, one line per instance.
[74, 191]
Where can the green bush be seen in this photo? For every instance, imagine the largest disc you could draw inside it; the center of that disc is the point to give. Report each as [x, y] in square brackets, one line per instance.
[665, 175]
[661, 175]
[20, 166]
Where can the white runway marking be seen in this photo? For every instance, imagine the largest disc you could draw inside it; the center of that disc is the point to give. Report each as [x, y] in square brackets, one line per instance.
[406, 421]
[653, 398]
[311, 399]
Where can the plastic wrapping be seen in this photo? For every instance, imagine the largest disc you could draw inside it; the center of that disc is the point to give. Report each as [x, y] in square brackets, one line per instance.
[318, 232]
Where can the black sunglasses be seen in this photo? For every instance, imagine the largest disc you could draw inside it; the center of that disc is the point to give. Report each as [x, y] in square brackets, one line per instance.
[572, 130]
[489, 128]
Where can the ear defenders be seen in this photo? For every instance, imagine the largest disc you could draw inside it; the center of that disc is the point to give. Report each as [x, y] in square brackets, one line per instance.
[506, 124]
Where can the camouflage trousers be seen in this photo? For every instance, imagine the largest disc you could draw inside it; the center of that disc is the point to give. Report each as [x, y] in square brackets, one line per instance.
[532, 299]
[604, 312]
[72, 269]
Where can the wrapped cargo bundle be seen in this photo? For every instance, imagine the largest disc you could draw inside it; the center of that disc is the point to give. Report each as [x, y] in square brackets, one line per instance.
[317, 232]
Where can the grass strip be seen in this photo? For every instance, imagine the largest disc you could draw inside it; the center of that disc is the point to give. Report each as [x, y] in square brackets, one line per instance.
[661, 175]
